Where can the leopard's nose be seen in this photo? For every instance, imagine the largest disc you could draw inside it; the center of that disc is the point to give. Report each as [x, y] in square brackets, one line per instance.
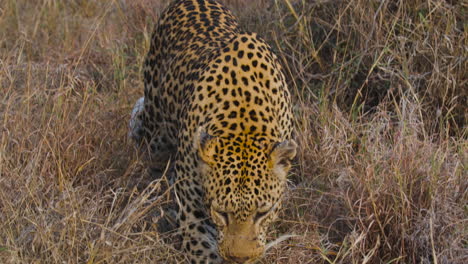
[239, 260]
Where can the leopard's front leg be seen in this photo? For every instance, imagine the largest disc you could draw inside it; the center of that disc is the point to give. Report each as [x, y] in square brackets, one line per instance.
[199, 236]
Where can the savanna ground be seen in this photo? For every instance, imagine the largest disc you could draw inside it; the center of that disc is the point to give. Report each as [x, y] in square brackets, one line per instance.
[380, 99]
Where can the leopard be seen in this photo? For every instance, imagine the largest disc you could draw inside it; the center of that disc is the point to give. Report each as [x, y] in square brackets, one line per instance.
[217, 105]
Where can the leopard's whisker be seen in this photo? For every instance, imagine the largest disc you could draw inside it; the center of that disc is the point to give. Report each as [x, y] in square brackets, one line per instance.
[278, 241]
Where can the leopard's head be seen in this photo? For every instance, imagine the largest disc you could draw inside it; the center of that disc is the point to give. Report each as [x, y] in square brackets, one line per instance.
[244, 179]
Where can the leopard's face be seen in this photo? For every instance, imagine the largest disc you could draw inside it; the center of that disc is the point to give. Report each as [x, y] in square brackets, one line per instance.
[244, 179]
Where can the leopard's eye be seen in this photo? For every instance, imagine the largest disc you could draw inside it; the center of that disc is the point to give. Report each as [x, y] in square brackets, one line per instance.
[262, 213]
[219, 218]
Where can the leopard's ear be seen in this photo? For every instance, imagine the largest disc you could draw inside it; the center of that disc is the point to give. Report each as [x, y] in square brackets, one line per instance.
[206, 145]
[281, 156]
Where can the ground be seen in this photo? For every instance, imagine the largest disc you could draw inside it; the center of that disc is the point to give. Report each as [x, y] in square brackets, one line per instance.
[379, 92]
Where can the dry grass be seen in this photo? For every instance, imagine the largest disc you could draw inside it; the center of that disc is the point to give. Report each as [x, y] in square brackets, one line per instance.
[380, 100]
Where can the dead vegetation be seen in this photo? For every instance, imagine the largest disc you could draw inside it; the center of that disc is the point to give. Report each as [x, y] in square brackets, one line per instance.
[380, 102]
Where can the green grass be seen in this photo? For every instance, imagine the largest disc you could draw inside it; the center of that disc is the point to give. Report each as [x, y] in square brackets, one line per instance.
[380, 104]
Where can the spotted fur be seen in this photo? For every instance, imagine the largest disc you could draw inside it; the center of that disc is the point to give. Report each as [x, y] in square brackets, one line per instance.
[216, 101]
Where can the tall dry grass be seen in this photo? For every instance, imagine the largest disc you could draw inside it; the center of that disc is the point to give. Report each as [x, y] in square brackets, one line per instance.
[380, 103]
